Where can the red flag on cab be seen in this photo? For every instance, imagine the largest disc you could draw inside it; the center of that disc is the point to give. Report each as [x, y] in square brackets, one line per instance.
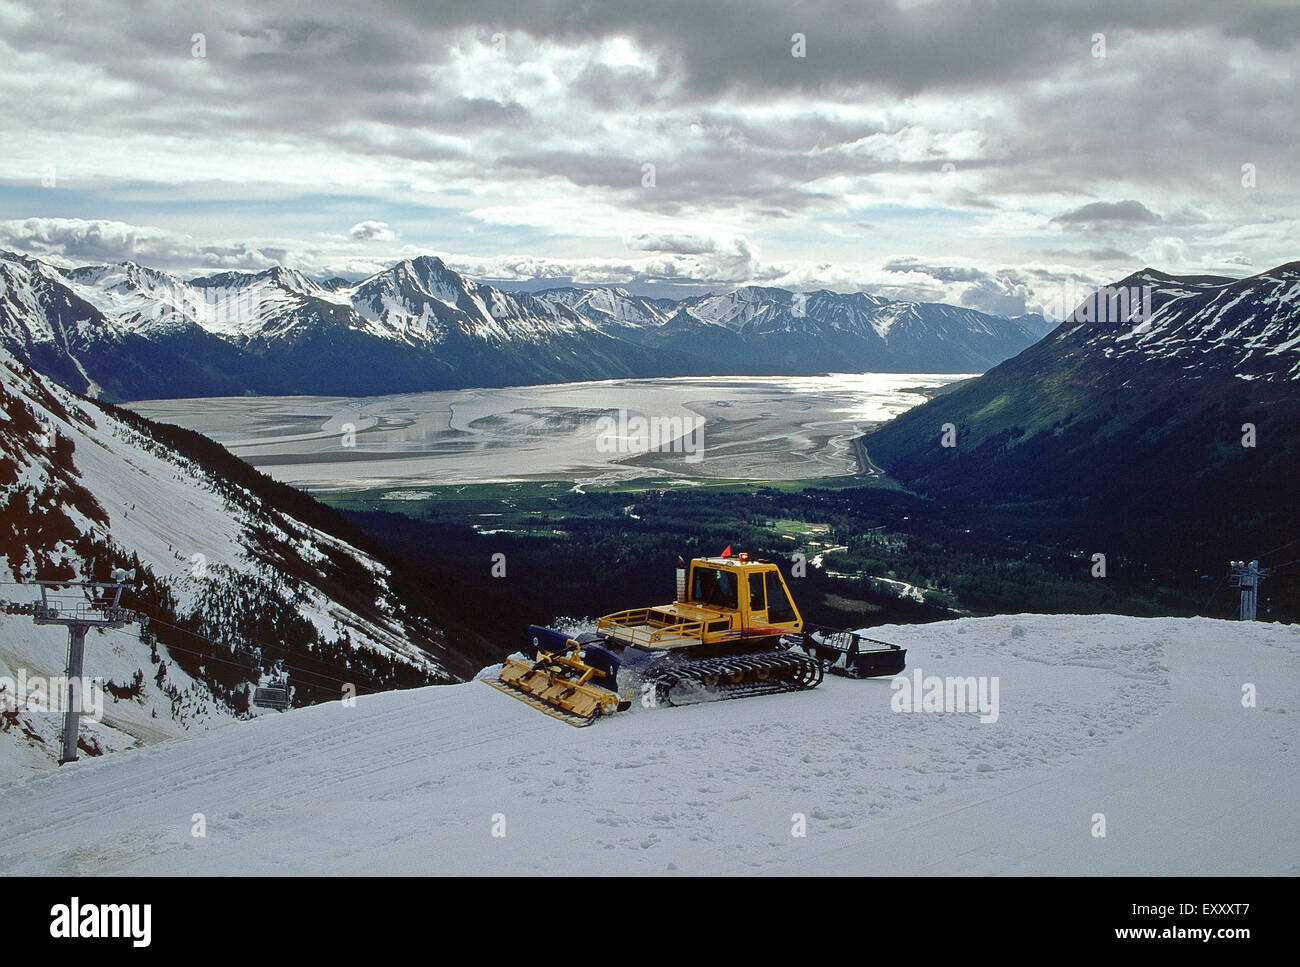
[727, 552]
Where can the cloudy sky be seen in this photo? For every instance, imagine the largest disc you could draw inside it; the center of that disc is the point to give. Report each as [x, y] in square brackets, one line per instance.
[986, 153]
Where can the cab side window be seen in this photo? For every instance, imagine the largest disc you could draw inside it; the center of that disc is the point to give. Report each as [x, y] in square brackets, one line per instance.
[713, 586]
[779, 607]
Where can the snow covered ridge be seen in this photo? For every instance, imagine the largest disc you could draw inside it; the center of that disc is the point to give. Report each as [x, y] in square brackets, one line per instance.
[1160, 389]
[133, 332]
[408, 302]
[1154, 746]
[1248, 326]
[226, 556]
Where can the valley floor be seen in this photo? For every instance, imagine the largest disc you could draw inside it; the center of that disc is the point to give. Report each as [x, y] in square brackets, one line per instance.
[1141, 720]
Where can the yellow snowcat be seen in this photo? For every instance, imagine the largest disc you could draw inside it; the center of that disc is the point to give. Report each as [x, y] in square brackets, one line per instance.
[732, 632]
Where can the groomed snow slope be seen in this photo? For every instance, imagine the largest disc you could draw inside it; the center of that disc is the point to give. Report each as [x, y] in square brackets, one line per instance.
[1139, 719]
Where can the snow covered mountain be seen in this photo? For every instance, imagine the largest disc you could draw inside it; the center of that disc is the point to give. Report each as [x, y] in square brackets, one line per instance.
[118, 330]
[805, 332]
[1163, 407]
[129, 332]
[1247, 328]
[239, 574]
[1140, 720]
[612, 306]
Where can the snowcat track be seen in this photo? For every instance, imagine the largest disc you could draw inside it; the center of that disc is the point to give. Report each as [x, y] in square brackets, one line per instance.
[577, 721]
[739, 676]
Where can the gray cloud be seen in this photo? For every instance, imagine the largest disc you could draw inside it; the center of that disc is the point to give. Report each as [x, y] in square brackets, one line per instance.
[1101, 213]
[403, 104]
[944, 273]
[999, 297]
[1106, 253]
[681, 244]
[81, 241]
[1000, 292]
[745, 44]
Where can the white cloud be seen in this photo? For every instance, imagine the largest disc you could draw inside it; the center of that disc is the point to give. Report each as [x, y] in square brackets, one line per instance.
[368, 231]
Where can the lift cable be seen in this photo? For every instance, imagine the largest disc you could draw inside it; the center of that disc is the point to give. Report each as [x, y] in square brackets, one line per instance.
[377, 687]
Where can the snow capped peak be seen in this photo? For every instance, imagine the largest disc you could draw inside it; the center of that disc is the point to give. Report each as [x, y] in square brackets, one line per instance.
[428, 272]
[290, 279]
[740, 307]
[757, 293]
[1247, 326]
[613, 305]
[430, 264]
[235, 304]
[1288, 270]
[426, 275]
[422, 301]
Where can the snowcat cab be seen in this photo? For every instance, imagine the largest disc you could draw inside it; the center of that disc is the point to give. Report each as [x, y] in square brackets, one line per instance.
[720, 601]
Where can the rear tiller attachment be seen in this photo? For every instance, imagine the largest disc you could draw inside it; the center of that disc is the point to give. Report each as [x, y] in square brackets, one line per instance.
[849, 653]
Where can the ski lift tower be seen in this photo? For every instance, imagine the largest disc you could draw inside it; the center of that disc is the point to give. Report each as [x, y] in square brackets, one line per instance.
[1247, 575]
[101, 609]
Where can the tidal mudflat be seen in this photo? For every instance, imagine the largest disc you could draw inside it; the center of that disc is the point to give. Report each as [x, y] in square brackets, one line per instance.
[703, 428]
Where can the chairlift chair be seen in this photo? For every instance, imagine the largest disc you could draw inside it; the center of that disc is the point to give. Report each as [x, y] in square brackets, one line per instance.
[275, 695]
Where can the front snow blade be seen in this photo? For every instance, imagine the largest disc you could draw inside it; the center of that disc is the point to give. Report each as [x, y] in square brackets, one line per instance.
[560, 685]
[555, 713]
